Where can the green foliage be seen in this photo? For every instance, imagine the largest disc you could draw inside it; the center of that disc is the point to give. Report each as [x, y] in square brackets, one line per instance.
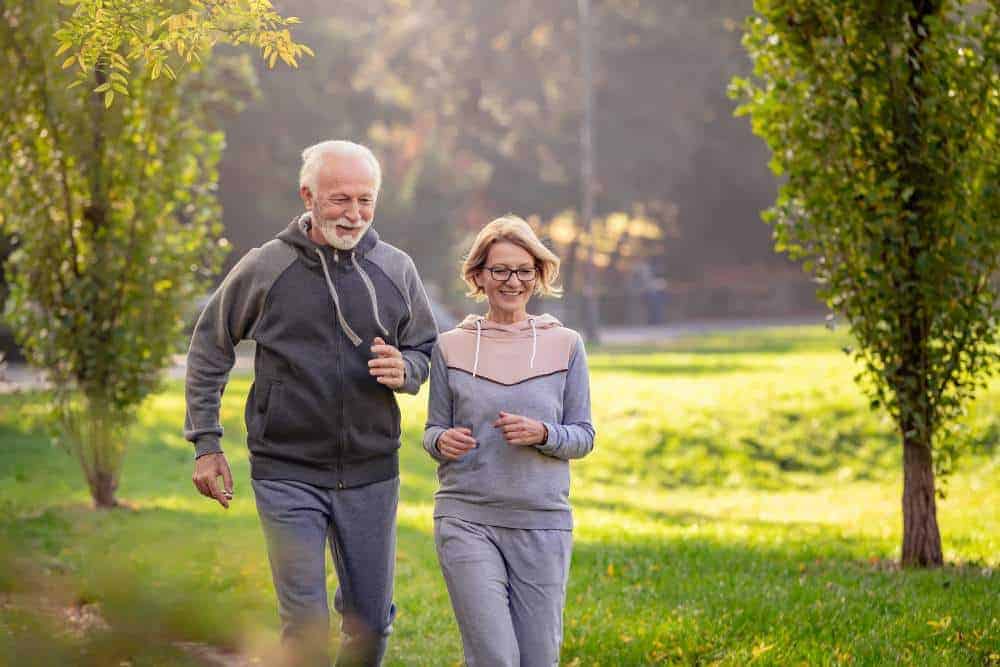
[117, 36]
[729, 570]
[884, 123]
[114, 220]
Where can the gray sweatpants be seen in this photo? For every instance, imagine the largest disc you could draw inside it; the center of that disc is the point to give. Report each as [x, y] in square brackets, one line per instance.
[507, 587]
[359, 524]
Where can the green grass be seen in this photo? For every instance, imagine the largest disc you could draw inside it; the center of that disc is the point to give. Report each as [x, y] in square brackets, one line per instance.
[742, 505]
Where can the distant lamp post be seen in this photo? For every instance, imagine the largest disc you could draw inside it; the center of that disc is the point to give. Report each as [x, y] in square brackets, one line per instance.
[589, 315]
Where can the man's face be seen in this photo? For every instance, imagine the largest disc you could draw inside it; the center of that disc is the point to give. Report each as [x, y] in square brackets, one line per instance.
[344, 203]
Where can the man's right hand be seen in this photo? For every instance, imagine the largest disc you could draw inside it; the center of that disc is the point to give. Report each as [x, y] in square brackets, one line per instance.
[207, 470]
[455, 442]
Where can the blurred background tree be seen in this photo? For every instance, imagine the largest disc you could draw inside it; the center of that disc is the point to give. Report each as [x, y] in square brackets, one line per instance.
[883, 120]
[474, 109]
[110, 205]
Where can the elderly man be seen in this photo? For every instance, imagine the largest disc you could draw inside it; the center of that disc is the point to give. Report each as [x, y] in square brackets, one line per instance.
[340, 321]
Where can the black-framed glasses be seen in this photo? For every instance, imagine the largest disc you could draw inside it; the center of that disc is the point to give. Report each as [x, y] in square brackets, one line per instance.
[502, 274]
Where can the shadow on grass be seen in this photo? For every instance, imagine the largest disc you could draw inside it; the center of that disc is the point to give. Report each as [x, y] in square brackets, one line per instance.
[693, 600]
[161, 575]
[734, 455]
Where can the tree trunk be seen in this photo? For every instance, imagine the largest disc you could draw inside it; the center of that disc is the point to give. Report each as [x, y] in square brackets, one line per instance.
[102, 488]
[921, 537]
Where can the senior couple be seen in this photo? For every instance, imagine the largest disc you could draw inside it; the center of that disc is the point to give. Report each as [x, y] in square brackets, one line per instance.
[341, 322]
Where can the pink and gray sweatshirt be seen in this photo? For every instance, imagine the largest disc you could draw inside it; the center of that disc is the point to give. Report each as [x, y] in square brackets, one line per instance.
[536, 368]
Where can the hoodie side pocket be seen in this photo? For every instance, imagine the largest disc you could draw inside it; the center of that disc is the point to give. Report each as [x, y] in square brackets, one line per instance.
[268, 405]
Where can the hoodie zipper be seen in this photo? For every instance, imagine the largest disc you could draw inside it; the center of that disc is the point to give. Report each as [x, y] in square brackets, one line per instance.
[340, 393]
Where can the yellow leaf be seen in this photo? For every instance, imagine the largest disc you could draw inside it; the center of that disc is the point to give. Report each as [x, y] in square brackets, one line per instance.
[109, 97]
[940, 624]
[272, 60]
[611, 569]
[68, 62]
[64, 48]
[760, 649]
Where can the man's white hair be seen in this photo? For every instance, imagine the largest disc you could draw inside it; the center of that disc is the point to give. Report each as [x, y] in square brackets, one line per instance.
[314, 157]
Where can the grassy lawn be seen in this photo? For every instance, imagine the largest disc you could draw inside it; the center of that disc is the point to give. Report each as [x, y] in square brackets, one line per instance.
[742, 505]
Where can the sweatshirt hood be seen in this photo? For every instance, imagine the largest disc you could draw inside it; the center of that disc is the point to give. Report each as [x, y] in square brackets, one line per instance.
[296, 234]
[526, 329]
[315, 256]
[523, 328]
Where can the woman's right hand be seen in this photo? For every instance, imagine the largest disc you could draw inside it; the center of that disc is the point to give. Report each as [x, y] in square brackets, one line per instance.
[455, 442]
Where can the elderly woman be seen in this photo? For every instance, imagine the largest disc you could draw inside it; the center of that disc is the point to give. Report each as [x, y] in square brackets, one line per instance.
[509, 407]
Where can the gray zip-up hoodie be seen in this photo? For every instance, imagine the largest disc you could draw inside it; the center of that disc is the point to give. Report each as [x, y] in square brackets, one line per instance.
[314, 414]
[536, 368]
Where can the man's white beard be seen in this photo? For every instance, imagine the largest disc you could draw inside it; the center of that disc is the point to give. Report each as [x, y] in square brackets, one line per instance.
[328, 228]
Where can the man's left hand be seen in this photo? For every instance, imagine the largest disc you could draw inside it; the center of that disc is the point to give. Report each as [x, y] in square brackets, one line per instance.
[518, 430]
[387, 367]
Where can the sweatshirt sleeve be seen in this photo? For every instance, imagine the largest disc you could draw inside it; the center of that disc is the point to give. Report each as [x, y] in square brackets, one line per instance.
[439, 408]
[418, 335]
[228, 317]
[574, 437]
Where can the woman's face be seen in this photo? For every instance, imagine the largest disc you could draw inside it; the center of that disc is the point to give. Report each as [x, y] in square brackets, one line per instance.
[508, 298]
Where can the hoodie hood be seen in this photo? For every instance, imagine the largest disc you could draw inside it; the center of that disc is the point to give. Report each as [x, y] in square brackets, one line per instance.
[509, 353]
[296, 234]
[522, 328]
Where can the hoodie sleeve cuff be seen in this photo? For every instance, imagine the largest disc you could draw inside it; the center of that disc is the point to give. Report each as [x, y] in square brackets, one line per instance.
[207, 444]
[551, 443]
[411, 385]
[431, 436]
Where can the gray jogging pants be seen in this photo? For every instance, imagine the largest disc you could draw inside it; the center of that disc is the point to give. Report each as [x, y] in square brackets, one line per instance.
[508, 588]
[359, 524]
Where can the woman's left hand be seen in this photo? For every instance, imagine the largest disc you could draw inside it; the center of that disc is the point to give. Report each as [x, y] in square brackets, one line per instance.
[518, 430]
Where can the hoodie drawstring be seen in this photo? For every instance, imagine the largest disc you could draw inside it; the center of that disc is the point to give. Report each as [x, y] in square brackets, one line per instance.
[534, 342]
[336, 302]
[475, 362]
[371, 293]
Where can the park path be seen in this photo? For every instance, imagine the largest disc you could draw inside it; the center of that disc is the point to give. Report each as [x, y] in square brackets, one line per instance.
[17, 376]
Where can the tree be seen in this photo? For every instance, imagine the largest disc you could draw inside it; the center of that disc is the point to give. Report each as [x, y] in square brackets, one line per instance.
[112, 208]
[883, 120]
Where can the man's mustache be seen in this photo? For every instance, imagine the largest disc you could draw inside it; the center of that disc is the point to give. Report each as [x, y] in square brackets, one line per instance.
[343, 222]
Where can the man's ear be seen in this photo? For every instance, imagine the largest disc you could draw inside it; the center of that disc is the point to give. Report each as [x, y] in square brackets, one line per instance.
[306, 195]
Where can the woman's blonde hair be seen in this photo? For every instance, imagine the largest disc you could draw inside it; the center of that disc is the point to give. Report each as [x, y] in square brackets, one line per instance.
[515, 230]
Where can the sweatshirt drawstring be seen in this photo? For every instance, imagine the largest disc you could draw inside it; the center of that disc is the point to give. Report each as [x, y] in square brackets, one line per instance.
[371, 293]
[479, 333]
[534, 342]
[336, 302]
